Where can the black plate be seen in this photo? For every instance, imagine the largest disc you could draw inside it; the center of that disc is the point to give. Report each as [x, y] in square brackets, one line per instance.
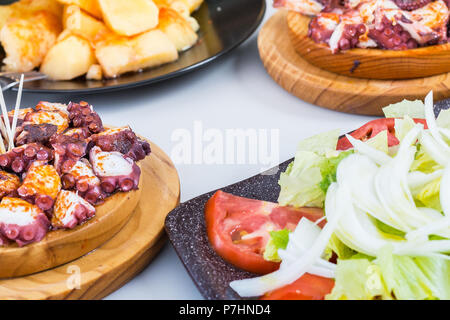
[224, 24]
[185, 226]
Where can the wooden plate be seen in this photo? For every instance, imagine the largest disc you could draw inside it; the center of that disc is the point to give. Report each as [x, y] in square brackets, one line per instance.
[368, 63]
[186, 228]
[330, 90]
[111, 265]
[61, 246]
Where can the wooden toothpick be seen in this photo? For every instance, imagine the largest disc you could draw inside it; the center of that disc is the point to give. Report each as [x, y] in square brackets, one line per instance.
[16, 113]
[5, 116]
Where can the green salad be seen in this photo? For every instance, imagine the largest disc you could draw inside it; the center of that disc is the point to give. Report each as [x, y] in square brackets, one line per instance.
[387, 211]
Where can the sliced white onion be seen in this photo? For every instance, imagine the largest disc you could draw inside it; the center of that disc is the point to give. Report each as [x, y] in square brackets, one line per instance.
[431, 121]
[444, 194]
[431, 147]
[376, 155]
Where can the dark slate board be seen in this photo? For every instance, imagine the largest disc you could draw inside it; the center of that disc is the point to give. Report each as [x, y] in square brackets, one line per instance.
[185, 226]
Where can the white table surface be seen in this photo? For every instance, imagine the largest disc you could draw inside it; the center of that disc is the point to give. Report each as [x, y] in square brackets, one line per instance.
[234, 92]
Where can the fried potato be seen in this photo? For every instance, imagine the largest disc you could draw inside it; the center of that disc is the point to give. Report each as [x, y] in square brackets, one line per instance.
[24, 7]
[52, 6]
[122, 54]
[90, 6]
[179, 6]
[68, 59]
[177, 29]
[129, 18]
[5, 13]
[95, 72]
[193, 4]
[76, 21]
[27, 39]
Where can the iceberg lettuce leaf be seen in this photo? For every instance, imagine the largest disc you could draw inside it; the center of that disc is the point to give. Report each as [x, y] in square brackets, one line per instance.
[278, 240]
[300, 183]
[413, 109]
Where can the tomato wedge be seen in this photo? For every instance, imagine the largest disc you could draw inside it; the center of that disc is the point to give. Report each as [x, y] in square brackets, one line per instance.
[238, 228]
[371, 129]
[307, 287]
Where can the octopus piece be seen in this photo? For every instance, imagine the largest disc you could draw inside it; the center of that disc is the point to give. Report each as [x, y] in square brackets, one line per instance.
[83, 115]
[40, 133]
[71, 210]
[83, 179]
[348, 32]
[52, 106]
[336, 6]
[410, 5]
[41, 186]
[57, 118]
[21, 115]
[8, 184]
[78, 133]
[21, 222]
[122, 140]
[68, 151]
[427, 25]
[20, 158]
[391, 37]
[307, 7]
[322, 27]
[115, 170]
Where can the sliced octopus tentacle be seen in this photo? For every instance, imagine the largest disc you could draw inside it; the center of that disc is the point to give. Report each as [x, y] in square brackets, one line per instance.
[71, 210]
[83, 115]
[68, 151]
[410, 5]
[41, 186]
[82, 179]
[392, 37]
[116, 171]
[26, 223]
[122, 140]
[20, 158]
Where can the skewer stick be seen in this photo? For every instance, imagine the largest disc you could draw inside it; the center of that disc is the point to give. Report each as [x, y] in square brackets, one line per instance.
[2, 146]
[3, 131]
[16, 113]
[5, 116]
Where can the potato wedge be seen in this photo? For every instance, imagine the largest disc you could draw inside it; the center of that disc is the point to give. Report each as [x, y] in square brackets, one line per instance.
[52, 6]
[177, 29]
[5, 13]
[76, 21]
[25, 7]
[122, 54]
[193, 4]
[27, 39]
[68, 59]
[129, 18]
[90, 6]
[95, 72]
[179, 6]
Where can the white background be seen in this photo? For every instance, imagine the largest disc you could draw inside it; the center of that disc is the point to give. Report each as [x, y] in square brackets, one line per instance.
[233, 92]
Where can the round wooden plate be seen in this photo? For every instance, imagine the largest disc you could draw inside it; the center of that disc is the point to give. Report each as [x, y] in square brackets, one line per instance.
[368, 63]
[330, 90]
[61, 246]
[111, 265]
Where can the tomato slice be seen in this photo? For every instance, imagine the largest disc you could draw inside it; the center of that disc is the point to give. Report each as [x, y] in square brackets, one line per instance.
[307, 287]
[238, 228]
[371, 129]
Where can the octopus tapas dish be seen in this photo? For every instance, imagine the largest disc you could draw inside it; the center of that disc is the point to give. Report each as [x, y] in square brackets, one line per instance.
[64, 163]
[372, 39]
[68, 184]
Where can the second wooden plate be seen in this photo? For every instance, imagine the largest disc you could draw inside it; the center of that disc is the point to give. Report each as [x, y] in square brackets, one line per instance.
[368, 63]
[331, 90]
